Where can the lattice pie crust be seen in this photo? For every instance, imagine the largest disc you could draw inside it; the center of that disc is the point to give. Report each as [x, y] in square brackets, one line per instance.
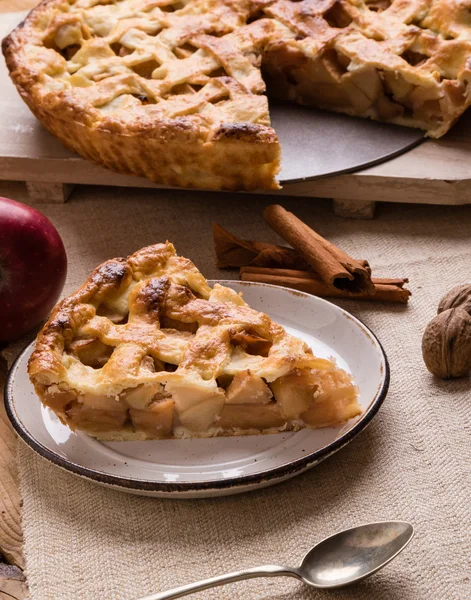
[145, 349]
[173, 90]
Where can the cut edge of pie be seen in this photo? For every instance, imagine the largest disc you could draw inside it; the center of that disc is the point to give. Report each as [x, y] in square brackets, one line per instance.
[146, 349]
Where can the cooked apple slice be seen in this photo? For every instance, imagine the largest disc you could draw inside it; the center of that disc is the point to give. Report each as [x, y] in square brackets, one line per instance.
[91, 419]
[248, 388]
[92, 352]
[198, 401]
[333, 407]
[156, 420]
[101, 402]
[140, 396]
[57, 398]
[295, 392]
[252, 343]
[204, 414]
[148, 363]
[251, 416]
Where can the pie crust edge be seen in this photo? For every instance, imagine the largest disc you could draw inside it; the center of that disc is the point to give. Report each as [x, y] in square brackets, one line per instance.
[240, 156]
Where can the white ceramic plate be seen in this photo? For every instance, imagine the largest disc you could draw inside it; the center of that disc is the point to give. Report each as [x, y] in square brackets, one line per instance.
[218, 466]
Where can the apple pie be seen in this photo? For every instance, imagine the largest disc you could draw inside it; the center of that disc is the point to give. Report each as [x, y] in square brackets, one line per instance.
[174, 90]
[146, 349]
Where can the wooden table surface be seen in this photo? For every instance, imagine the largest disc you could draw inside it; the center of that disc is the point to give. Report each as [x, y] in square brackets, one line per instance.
[12, 580]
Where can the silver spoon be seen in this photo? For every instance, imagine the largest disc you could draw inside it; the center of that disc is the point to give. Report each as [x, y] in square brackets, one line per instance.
[339, 560]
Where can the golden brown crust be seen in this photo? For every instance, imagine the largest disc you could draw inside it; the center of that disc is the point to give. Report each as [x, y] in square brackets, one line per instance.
[45, 364]
[146, 349]
[104, 285]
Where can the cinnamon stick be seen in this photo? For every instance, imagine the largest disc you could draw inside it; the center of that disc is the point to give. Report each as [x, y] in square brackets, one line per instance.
[386, 290]
[232, 251]
[338, 270]
[398, 281]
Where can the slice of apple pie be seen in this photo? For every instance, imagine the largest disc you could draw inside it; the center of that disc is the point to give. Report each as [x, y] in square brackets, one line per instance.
[146, 349]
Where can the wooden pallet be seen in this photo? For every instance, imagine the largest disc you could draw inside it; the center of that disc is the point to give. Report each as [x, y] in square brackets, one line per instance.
[436, 172]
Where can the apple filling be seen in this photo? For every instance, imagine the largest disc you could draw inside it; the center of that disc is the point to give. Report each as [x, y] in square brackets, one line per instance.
[251, 342]
[337, 79]
[247, 403]
[156, 419]
[91, 352]
[189, 404]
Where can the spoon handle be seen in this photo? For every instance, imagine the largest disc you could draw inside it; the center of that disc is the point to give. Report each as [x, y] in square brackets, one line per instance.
[191, 588]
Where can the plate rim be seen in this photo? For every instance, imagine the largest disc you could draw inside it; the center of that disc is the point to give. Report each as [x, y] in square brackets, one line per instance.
[267, 476]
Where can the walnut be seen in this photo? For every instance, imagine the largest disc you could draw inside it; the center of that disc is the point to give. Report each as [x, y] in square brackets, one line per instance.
[446, 344]
[459, 296]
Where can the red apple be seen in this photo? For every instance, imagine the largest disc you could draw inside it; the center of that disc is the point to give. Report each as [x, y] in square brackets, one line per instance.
[33, 267]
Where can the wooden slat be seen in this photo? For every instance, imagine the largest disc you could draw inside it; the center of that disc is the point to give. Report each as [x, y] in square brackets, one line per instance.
[7, 6]
[12, 580]
[354, 209]
[12, 583]
[377, 188]
[11, 537]
[50, 193]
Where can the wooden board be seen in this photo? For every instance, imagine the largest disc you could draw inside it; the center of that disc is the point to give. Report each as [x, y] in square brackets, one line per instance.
[12, 580]
[436, 172]
[8, 6]
[12, 583]
[11, 539]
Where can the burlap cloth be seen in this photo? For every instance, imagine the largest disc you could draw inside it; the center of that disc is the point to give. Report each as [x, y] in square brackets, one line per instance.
[84, 542]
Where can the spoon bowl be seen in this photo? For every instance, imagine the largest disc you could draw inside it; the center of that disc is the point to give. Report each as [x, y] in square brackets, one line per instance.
[353, 554]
